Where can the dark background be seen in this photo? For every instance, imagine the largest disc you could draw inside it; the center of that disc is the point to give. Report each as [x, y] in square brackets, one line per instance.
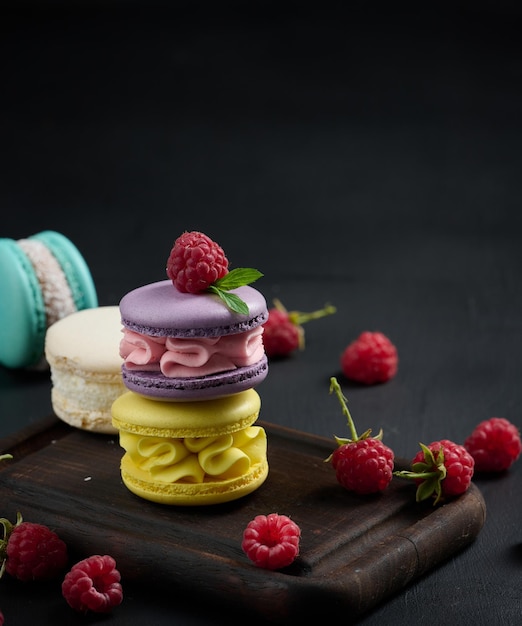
[363, 154]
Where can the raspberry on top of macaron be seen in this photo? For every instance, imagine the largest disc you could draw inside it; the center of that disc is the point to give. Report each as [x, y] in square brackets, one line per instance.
[198, 333]
[198, 264]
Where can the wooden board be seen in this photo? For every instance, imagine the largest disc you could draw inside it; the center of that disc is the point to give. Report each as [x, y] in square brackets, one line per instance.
[355, 551]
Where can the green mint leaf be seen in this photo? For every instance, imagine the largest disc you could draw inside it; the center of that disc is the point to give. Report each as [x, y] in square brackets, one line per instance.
[237, 277]
[233, 302]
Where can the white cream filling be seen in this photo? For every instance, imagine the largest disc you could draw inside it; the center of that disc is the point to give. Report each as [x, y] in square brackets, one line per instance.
[56, 293]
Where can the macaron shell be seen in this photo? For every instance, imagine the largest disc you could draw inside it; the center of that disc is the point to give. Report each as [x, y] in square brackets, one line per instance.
[86, 341]
[159, 309]
[83, 417]
[134, 413]
[192, 494]
[73, 266]
[159, 387]
[82, 350]
[22, 312]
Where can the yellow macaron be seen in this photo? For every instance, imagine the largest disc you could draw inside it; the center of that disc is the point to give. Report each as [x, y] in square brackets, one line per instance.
[191, 453]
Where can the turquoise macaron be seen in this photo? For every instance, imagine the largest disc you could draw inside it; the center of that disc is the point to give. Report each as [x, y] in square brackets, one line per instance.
[42, 279]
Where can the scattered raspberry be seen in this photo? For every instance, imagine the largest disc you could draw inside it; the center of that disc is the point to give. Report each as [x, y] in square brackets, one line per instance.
[195, 262]
[283, 332]
[93, 584]
[442, 469]
[280, 335]
[31, 551]
[362, 464]
[494, 444]
[271, 541]
[370, 359]
[1, 619]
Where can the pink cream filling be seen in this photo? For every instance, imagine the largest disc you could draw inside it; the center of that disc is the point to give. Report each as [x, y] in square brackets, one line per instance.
[180, 358]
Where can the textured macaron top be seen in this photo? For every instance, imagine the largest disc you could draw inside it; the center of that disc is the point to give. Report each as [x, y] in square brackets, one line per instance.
[133, 413]
[87, 340]
[159, 309]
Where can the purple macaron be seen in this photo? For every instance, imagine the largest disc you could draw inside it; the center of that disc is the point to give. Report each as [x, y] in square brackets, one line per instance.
[179, 346]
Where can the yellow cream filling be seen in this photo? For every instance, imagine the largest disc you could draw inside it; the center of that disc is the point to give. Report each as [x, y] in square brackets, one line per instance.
[196, 459]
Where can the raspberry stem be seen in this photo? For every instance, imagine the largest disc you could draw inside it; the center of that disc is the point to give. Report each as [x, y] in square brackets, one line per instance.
[335, 387]
[419, 475]
[298, 317]
[431, 472]
[8, 529]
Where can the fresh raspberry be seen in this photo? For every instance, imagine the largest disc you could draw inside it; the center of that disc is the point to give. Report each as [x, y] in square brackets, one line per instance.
[195, 262]
[93, 585]
[280, 335]
[1, 619]
[370, 359]
[32, 551]
[494, 444]
[362, 464]
[442, 469]
[283, 331]
[271, 541]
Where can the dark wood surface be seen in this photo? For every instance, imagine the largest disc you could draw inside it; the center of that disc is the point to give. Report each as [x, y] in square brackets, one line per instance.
[355, 551]
[369, 158]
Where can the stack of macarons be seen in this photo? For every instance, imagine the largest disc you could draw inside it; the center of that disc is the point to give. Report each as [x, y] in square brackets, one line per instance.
[43, 278]
[192, 357]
